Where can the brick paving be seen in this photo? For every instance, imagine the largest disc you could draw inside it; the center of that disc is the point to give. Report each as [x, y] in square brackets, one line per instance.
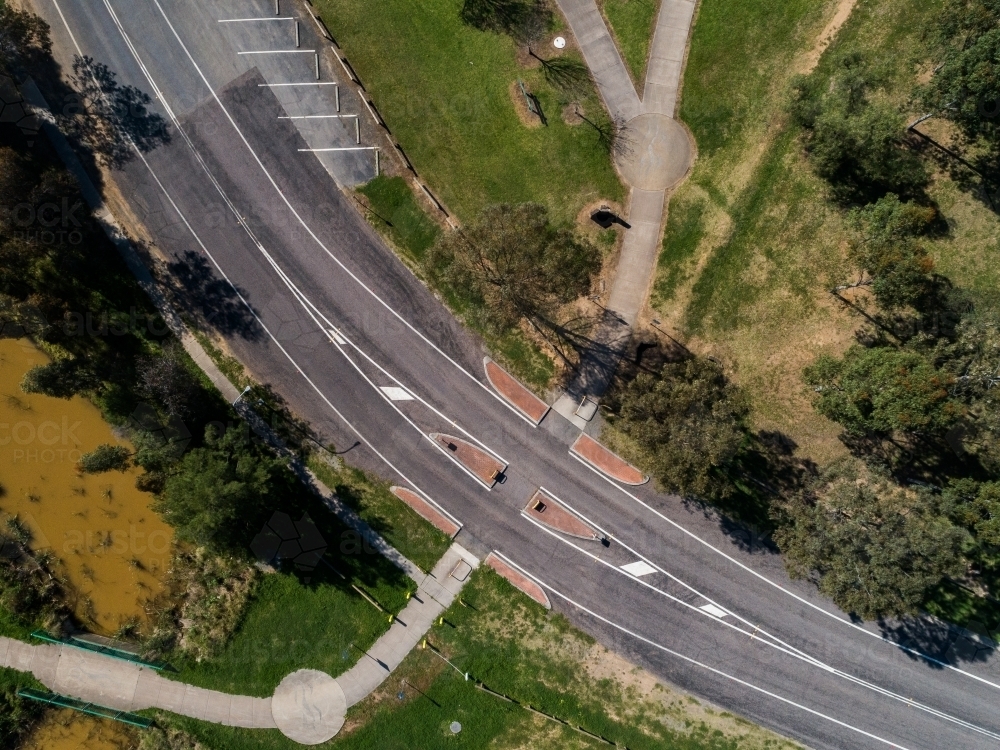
[607, 462]
[518, 580]
[517, 394]
[475, 459]
[426, 511]
[547, 510]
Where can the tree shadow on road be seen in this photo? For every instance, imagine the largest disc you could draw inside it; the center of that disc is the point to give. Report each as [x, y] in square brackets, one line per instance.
[215, 301]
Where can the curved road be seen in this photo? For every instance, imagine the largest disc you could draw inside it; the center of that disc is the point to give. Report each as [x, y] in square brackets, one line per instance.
[716, 614]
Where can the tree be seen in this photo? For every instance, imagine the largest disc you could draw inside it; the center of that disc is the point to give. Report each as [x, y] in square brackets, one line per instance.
[218, 493]
[106, 458]
[63, 378]
[513, 264]
[854, 142]
[965, 87]
[887, 247]
[167, 381]
[882, 390]
[875, 548]
[687, 425]
[23, 38]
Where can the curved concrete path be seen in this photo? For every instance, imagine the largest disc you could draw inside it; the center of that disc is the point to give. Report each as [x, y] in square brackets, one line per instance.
[308, 706]
[658, 152]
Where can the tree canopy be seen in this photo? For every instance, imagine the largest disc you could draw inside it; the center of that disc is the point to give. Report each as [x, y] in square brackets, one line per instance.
[965, 87]
[877, 549]
[218, 494]
[882, 390]
[888, 248]
[687, 425]
[855, 140]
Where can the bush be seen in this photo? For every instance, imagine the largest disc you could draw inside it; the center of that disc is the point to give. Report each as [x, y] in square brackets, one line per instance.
[106, 458]
[62, 379]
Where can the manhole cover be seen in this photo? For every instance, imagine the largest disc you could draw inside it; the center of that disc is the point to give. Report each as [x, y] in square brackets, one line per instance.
[559, 42]
[455, 727]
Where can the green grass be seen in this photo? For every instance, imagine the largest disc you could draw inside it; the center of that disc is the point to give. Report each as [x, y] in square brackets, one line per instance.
[517, 648]
[632, 22]
[299, 619]
[389, 516]
[395, 211]
[443, 89]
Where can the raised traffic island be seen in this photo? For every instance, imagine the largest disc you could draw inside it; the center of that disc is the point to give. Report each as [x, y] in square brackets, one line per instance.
[605, 461]
[484, 466]
[545, 509]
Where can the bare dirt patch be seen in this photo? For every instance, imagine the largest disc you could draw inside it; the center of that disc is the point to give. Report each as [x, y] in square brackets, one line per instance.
[810, 60]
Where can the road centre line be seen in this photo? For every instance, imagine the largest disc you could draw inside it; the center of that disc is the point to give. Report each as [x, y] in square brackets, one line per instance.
[779, 587]
[500, 400]
[201, 244]
[695, 662]
[776, 644]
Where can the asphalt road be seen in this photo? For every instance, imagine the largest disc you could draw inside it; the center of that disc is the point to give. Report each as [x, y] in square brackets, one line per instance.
[276, 256]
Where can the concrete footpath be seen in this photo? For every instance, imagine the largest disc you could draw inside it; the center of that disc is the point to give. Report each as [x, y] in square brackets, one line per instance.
[654, 154]
[309, 716]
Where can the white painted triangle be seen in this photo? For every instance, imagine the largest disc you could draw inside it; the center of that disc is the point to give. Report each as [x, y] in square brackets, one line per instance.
[395, 393]
[713, 610]
[639, 568]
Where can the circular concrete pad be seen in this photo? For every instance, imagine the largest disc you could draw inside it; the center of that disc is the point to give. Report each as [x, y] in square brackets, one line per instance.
[655, 152]
[309, 706]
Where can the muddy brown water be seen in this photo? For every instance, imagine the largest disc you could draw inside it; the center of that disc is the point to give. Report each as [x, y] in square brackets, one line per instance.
[112, 548]
[69, 730]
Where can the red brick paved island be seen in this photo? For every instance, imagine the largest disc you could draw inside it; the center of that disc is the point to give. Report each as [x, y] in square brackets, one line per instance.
[606, 462]
[519, 580]
[426, 511]
[473, 458]
[519, 396]
[547, 510]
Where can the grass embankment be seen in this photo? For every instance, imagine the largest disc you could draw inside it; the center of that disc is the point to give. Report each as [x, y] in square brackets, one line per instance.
[392, 519]
[444, 89]
[536, 657]
[305, 620]
[632, 23]
[753, 242]
[393, 211]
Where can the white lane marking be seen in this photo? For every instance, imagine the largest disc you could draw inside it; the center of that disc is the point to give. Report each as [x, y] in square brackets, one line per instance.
[201, 244]
[794, 653]
[713, 610]
[313, 117]
[639, 568]
[395, 393]
[488, 390]
[695, 662]
[346, 148]
[499, 399]
[275, 51]
[303, 300]
[307, 83]
[779, 587]
[247, 20]
[337, 338]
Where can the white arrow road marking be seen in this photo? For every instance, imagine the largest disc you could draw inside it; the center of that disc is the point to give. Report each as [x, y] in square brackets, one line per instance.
[639, 568]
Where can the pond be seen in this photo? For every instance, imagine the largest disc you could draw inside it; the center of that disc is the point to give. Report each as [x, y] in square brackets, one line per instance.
[112, 548]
